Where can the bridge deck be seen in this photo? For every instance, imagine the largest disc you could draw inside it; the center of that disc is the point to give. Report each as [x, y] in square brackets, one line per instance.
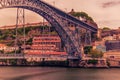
[66, 15]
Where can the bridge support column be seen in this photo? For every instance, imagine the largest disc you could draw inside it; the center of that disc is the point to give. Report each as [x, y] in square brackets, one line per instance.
[21, 62]
[88, 38]
[73, 62]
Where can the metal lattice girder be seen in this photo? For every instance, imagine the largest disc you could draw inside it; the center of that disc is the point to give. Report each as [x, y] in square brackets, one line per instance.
[20, 16]
[88, 38]
[20, 22]
[56, 17]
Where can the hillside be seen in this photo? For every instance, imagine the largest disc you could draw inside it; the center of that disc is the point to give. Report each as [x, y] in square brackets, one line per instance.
[8, 36]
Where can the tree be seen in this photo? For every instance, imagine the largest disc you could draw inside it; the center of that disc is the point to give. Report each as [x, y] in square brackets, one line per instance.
[82, 15]
[87, 49]
[96, 54]
[106, 28]
[92, 61]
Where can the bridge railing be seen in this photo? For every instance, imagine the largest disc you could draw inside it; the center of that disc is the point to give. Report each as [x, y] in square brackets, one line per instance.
[23, 56]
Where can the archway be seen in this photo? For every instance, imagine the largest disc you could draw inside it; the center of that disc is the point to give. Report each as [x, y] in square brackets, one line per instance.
[59, 22]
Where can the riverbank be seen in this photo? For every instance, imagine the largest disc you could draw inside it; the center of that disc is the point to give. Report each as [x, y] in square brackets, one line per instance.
[94, 67]
[67, 64]
[58, 66]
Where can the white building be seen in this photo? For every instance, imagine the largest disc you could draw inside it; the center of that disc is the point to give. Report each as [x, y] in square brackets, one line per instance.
[99, 45]
[9, 49]
[112, 54]
[3, 46]
[6, 48]
[108, 38]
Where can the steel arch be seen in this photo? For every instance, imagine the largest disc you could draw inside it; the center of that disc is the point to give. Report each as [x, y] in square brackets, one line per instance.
[56, 18]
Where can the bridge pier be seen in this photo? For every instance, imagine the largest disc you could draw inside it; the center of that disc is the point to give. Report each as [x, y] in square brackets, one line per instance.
[13, 62]
[3, 62]
[21, 62]
[73, 62]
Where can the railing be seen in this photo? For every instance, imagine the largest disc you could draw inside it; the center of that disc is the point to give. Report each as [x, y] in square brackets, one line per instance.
[25, 56]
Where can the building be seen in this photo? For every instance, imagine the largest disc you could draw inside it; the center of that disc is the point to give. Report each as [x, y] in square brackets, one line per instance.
[6, 48]
[112, 54]
[99, 33]
[112, 45]
[38, 52]
[108, 38]
[83, 18]
[115, 33]
[10, 49]
[99, 45]
[46, 43]
[3, 47]
[113, 58]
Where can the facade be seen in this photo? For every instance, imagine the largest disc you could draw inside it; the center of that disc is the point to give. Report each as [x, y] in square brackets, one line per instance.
[113, 37]
[6, 48]
[99, 45]
[46, 43]
[44, 52]
[108, 38]
[113, 58]
[117, 37]
[114, 33]
[112, 54]
[10, 49]
[99, 33]
[3, 46]
[112, 45]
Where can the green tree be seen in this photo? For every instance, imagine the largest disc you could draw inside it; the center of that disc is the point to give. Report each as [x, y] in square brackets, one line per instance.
[87, 49]
[83, 15]
[96, 54]
[92, 61]
[106, 28]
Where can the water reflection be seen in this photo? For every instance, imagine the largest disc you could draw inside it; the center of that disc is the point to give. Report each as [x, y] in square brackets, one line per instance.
[46, 73]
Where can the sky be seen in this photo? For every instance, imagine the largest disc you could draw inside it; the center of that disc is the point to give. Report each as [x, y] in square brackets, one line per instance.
[106, 13]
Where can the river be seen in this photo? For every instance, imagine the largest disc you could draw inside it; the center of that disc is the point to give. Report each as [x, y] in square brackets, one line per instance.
[52, 73]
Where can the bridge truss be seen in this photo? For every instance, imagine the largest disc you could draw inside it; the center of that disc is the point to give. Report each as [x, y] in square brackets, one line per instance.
[68, 27]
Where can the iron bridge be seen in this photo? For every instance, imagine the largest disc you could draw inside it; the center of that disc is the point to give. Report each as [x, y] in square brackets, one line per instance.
[57, 18]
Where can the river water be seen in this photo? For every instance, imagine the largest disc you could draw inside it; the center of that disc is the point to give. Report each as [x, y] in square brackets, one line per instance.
[52, 73]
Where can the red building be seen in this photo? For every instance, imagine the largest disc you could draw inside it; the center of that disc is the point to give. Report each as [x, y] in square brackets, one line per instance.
[46, 44]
